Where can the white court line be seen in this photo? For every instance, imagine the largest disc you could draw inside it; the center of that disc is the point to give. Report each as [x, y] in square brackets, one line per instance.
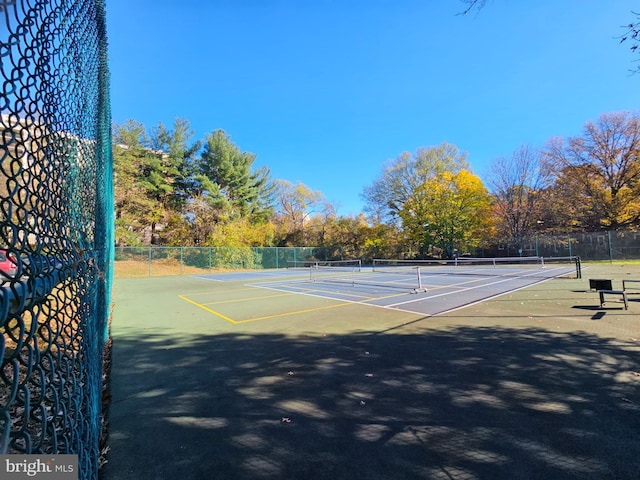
[209, 279]
[470, 304]
[365, 301]
[248, 276]
[502, 280]
[343, 300]
[394, 307]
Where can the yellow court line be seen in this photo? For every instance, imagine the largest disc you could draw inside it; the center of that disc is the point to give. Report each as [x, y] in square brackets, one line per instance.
[234, 322]
[217, 314]
[294, 313]
[250, 298]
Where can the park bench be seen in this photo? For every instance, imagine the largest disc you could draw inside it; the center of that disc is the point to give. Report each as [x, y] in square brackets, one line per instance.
[625, 282]
[622, 293]
[604, 287]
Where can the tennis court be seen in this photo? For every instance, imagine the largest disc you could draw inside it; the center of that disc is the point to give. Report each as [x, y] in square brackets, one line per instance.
[422, 287]
[284, 374]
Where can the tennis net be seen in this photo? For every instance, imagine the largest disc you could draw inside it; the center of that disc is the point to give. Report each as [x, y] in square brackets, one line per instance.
[330, 265]
[353, 275]
[540, 267]
[411, 276]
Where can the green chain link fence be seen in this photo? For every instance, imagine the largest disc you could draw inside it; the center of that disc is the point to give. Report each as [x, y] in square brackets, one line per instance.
[158, 261]
[589, 246]
[56, 227]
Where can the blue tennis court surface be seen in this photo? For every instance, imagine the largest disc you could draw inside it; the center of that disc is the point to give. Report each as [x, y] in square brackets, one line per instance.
[428, 292]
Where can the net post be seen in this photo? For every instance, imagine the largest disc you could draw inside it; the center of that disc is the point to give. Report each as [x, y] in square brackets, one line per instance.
[578, 267]
[419, 288]
[419, 277]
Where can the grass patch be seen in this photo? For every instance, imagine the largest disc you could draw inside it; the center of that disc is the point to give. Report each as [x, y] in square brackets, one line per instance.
[157, 268]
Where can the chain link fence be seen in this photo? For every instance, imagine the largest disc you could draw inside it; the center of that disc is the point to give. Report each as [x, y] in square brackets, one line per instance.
[56, 227]
[589, 246]
[159, 261]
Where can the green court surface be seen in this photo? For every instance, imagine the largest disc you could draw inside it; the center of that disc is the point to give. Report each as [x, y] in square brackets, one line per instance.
[245, 377]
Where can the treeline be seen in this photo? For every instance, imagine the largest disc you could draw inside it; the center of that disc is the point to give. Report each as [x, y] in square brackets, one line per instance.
[172, 190]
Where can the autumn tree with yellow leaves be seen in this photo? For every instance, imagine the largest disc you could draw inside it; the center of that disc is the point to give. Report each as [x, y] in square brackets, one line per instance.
[448, 211]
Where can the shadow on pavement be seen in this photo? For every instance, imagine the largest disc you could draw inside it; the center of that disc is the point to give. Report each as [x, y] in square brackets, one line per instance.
[463, 403]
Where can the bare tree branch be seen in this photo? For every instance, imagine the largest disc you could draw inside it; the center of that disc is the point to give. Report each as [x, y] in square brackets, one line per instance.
[632, 35]
[472, 4]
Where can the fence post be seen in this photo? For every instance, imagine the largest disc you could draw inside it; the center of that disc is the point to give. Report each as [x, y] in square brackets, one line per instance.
[150, 260]
[181, 249]
[610, 249]
[569, 237]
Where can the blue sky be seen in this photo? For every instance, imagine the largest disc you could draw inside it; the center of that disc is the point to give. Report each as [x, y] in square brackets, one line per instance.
[325, 92]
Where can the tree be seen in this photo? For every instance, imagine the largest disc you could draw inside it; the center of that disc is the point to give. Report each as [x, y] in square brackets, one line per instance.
[559, 208]
[262, 204]
[202, 217]
[242, 191]
[149, 171]
[339, 237]
[447, 212]
[132, 134]
[179, 153]
[383, 241]
[134, 205]
[516, 184]
[349, 236]
[242, 233]
[386, 196]
[134, 210]
[602, 170]
[320, 227]
[295, 206]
